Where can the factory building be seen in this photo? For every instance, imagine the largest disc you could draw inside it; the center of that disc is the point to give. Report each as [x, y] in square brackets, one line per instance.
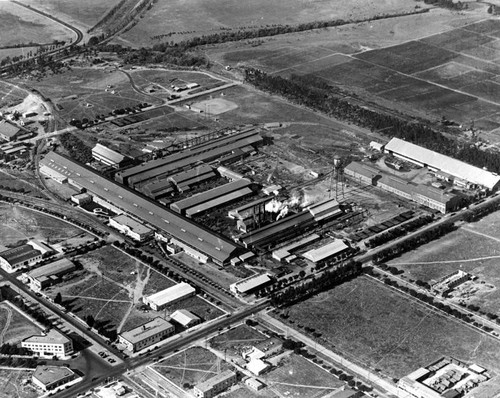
[130, 227]
[327, 252]
[250, 284]
[185, 180]
[362, 173]
[325, 210]
[213, 198]
[109, 157]
[9, 132]
[167, 224]
[12, 260]
[251, 215]
[146, 335]
[169, 296]
[158, 190]
[284, 252]
[49, 274]
[215, 385]
[229, 174]
[49, 344]
[437, 162]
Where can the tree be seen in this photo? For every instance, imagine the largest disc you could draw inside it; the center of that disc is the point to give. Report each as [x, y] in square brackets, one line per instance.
[58, 298]
[90, 320]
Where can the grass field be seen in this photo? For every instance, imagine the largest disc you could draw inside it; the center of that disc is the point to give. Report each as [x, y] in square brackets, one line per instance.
[180, 19]
[191, 366]
[10, 95]
[297, 377]
[372, 324]
[12, 384]
[14, 326]
[20, 224]
[20, 26]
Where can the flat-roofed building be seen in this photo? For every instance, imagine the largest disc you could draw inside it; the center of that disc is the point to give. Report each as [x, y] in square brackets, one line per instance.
[362, 172]
[171, 295]
[213, 197]
[81, 198]
[254, 384]
[9, 132]
[185, 318]
[49, 377]
[215, 385]
[49, 344]
[146, 335]
[325, 210]
[248, 285]
[22, 256]
[285, 251]
[49, 274]
[257, 366]
[327, 252]
[109, 157]
[130, 227]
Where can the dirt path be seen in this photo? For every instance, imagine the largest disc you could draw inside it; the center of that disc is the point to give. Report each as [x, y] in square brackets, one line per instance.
[7, 323]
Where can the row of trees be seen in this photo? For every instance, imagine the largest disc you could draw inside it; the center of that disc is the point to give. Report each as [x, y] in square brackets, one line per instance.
[398, 231]
[76, 148]
[318, 95]
[450, 4]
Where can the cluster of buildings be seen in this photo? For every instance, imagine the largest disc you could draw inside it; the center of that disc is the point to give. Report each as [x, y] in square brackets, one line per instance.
[49, 274]
[13, 150]
[446, 378]
[445, 168]
[446, 285]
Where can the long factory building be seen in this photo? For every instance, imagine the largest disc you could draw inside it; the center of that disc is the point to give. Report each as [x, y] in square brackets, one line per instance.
[211, 150]
[197, 241]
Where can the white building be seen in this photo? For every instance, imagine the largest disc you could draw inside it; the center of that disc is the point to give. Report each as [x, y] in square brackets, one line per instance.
[130, 227]
[185, 318]
[50, 344]
[257, 366]
[162, 299]
[246, 286]
[326, 252]
[22, 256]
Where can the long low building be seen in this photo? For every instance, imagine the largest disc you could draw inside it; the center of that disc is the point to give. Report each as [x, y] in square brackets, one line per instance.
[326, 252]
[131, 227]
[169, 296]
[120, 199]
[325, 210]
[109, 157]
[250, 284]
[362, 173]
[51, 273]
[285, 251]
[213, 197]
[437, 161]
[146, 335]
[215, 385]
[19, 257]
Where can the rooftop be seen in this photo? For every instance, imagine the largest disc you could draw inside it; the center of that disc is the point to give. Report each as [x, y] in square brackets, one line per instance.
[8, 130]
[444, 163]
[51, 374]
[184, 317]
[362, 169]
[207, 385]
[56, 267]
[105, 152]
[251, 283]
[52, 337]
[146, 330]
[19, 254]
[180, 290]
[132, 224]
[326, 251]
[219, 201]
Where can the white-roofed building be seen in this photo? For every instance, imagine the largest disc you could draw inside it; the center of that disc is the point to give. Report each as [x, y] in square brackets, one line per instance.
[215, 385]
[109, 157]
[185, 318]
[160, 300]
[146, 335]
[327, 251]
[130, 227]
[49, 344]
[325, 209]
[257, 366]
[377, 146]
[439, 162]
[246, 286]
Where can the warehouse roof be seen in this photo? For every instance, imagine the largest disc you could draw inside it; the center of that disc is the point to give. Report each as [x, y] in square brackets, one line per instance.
[444, 163]
[209, 195]
[104, 152]
[188, 175]
[221, 200]
[251, 283]
[56, 267]
[284, 251]
[19, 254]
[184, 317]
[146, 330]
[326, 251]
[8, 130]
[135, 226]
[172, 293]
[48, 375]
[214, 246]
[324, 209]
[362, 169]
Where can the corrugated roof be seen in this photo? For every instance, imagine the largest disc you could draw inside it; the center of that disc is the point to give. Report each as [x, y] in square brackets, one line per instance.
[196, 171]
[444, 163]
[20, 254]
[221, 200]
[284, 251]
[56, 267]
[146, 330]
[251, 283]
[172, 293]
[214, 246]
[209, 195]
[109, 154]
[326, 251]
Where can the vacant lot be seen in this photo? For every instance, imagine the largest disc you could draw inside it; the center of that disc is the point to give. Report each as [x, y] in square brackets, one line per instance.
[297, 377]
[14, 326]
[383, 329]
[20, 26]
[188, 368]
[16, 384]
[180, 19]
[10, 95]
[236, 340]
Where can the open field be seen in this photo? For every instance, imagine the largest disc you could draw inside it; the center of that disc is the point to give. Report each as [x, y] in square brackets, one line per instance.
[235, 340]
[81, 92]
[10, 95]
[21, 224]
[12, 384]
[180, 19]
[372, 324]
[14, 326]
[297, 377]
[472, 248]
[20, 26]
[190, 367]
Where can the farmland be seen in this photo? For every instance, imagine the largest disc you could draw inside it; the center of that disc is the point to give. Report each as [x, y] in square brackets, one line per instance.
[12, 384]
[472, 248]
[213, 16]
[14, 326]
[188, 368]
[374, 325]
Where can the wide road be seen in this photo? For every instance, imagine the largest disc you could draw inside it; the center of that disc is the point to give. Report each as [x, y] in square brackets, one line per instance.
[169, 347]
